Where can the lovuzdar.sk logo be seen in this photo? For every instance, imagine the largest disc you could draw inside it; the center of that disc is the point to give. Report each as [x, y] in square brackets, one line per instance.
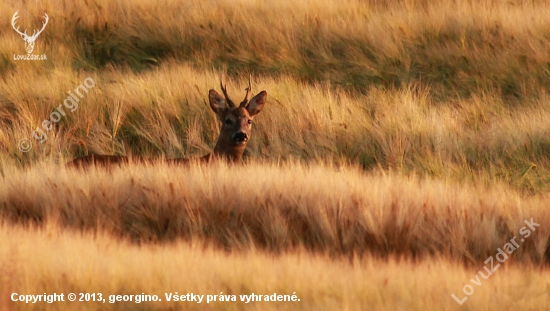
[29, 40]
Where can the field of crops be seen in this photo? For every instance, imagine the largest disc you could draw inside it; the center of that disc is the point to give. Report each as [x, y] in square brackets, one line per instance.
[401, 160]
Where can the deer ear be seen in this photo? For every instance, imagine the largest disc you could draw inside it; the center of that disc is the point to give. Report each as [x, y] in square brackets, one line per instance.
[217, 103]
[257, 103]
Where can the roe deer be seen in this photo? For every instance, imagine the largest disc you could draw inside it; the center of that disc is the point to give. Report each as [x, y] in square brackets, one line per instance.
[234, 134]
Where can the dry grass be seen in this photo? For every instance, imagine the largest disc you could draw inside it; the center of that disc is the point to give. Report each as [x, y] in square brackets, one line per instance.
[455, 47]
[403, 142]
[333, 211]
[159, 113]
[86, 263]
[449, 89]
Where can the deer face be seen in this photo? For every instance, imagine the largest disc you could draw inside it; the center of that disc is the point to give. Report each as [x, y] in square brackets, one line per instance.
[236, 126]
[236, 121]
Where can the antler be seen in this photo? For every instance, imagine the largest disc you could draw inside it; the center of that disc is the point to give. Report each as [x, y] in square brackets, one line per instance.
[23, 34]
[224, 90]
[246, 99]
[43, 26]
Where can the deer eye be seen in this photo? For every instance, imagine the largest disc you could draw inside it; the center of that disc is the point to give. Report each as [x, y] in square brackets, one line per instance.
[228, 121]
[249, 121]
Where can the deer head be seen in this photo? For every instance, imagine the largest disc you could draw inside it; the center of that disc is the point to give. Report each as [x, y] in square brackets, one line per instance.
[29, 40]
[236, 121]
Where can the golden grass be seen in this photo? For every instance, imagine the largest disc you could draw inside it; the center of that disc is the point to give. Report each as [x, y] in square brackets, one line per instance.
[258, 205]
[403, 143]
[448, 89]
[454, 46]
[159, 113]
[98, 263]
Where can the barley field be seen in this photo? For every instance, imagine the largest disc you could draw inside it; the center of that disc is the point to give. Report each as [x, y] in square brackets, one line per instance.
[401, 162]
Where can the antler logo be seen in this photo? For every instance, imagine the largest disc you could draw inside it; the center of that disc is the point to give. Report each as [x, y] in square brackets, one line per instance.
[29, 40]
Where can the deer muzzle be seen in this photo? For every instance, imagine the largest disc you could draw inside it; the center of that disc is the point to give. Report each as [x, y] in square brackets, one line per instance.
[240, 138]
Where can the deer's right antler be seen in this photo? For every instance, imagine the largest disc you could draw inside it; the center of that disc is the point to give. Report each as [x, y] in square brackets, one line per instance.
[37, 32]
[246, 99]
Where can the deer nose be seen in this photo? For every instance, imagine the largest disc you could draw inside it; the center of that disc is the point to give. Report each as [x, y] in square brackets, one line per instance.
[240, 137]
